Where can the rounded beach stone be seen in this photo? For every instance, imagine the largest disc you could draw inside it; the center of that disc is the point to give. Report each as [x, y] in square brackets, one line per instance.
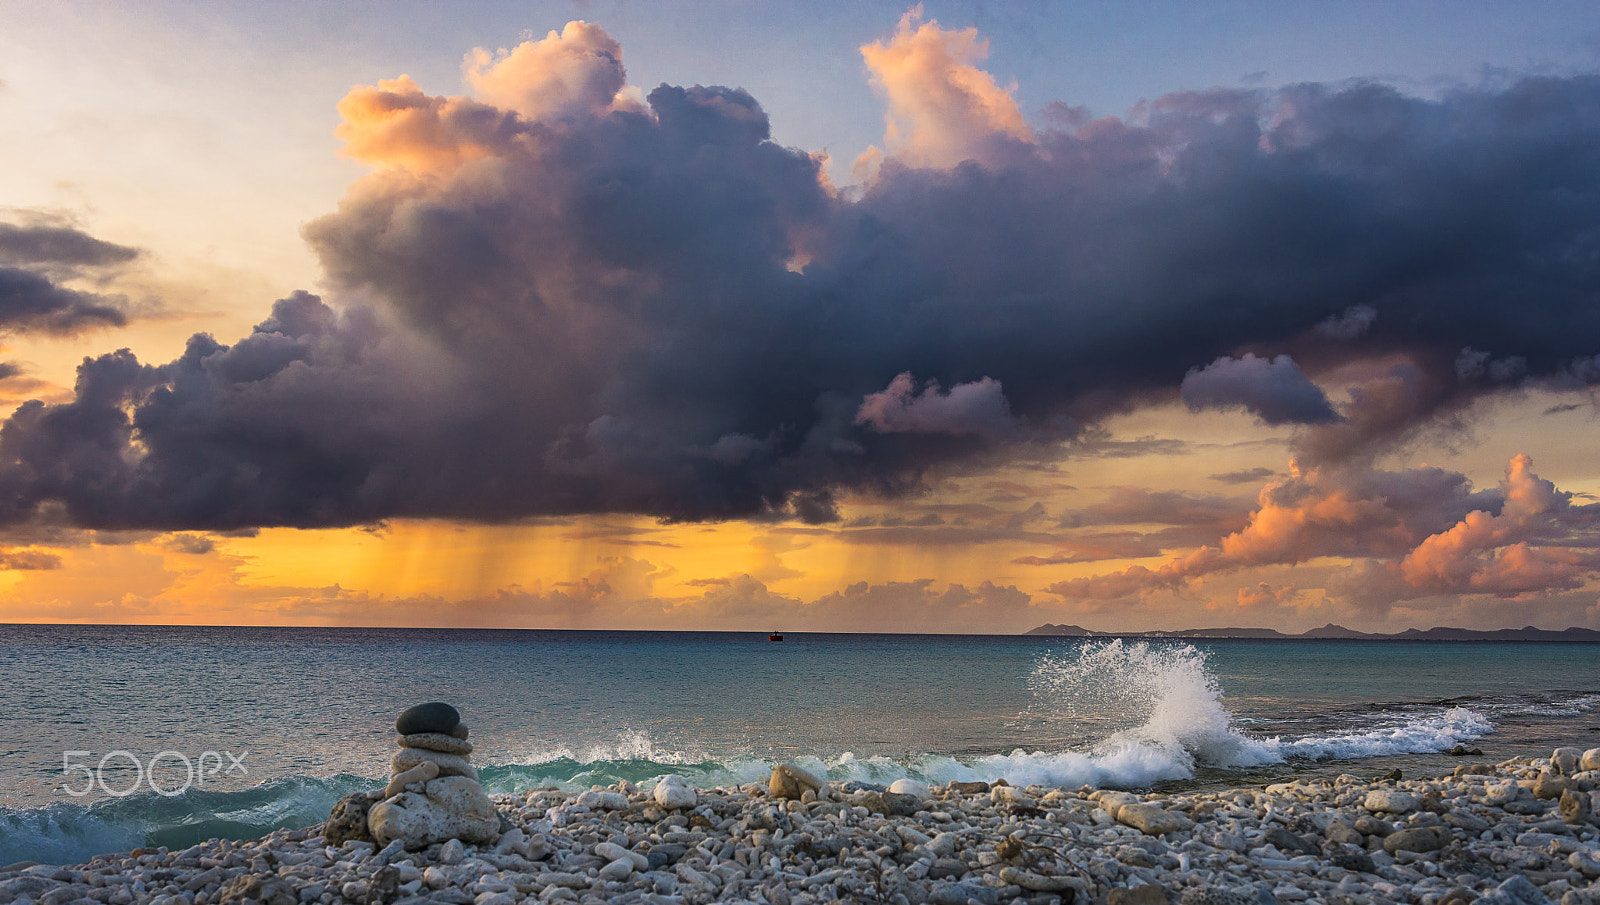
[348, 820]
[673, 793]
[789, 781]
[1342, 833]
[432, 717]
[890, 804]
[449, 764]
[1388, 801]
[1417, 839]
[1010, 795]
[1361, 862]
[963, 893]
[1575, 808]
[1372, 826]
[602, 800]
[1549, 786]
[1151, 820]
[1565, 760]
[910, 787]
[1590, 760]
[452, 807]
[1289, 842]
[435, 741]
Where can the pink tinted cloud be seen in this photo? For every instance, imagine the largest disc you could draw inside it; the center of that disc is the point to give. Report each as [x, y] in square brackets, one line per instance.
[943, 109]
[1419, 531]
[396, 125]
[574, 72]
[1523, 549]
[577, 71]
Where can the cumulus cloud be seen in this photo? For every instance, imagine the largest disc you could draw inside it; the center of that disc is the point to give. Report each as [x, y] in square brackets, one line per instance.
[943, 109]
[576, 71]
[1274, 390]
[1528, 546]
[394, 124]
[554, 301]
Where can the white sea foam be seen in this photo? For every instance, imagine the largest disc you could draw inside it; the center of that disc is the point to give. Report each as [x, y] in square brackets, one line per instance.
[1574, 706]
[631, 744]
[1418, 735]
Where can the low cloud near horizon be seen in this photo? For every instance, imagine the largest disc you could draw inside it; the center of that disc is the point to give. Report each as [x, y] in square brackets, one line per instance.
[565, 296]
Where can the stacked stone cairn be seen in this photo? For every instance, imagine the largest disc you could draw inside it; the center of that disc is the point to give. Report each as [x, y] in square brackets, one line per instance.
[433, 795]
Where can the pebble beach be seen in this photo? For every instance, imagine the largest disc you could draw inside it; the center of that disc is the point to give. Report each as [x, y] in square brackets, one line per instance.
[1519, 831]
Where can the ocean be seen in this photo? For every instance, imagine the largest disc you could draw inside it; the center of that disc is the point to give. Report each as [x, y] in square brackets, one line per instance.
[112, 737]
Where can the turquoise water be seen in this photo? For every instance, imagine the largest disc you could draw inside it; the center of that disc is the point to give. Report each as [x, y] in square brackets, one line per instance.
[297, 717]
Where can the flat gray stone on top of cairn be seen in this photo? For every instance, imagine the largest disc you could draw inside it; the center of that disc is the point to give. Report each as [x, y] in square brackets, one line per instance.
[432, 717]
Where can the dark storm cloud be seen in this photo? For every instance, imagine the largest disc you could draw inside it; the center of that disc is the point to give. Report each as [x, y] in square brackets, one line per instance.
[52, 244]
[31, 302]
[1274, 390]
[592, 308]
[35, 259]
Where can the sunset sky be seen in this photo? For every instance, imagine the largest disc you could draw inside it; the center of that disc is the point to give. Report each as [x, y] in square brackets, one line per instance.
[842, 317]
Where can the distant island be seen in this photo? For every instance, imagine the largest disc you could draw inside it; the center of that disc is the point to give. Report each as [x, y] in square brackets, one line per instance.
[1331, 632]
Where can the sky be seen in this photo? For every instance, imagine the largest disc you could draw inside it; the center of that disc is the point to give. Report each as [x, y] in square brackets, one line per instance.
[957, 317]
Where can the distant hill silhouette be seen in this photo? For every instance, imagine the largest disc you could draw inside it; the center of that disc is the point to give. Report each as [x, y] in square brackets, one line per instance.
[1340, 633]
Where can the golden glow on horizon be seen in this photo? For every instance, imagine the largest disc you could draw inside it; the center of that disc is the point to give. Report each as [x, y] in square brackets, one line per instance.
[429, 572]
